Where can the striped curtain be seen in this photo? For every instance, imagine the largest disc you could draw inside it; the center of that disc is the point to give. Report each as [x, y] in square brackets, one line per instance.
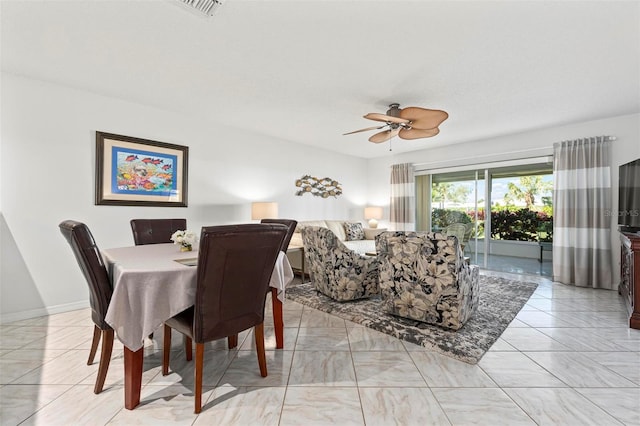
[402, 198]
[582, 205]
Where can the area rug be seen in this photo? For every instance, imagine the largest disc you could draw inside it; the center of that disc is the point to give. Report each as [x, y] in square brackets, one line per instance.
[500, 301]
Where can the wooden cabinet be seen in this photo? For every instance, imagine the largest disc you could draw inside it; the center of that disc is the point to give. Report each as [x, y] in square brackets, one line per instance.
[629, 286]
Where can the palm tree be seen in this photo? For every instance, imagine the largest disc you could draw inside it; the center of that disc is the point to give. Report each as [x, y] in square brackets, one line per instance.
[529, 187]
[442, 192]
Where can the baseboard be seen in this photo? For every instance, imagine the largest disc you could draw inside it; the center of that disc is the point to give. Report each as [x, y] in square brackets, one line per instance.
[49, 310]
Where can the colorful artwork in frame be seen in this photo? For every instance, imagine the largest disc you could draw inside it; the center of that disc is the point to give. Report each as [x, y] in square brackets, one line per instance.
[140, 172]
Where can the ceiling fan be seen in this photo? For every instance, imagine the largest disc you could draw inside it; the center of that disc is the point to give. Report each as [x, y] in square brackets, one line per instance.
[408, 123]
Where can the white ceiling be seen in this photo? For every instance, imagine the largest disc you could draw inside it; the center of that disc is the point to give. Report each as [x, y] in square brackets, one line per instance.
[307, 71]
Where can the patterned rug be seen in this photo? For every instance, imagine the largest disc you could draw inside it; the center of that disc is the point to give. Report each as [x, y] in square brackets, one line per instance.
[500, 301]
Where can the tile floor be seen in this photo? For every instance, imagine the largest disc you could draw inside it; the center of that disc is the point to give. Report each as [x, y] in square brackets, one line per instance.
[567, 359]
[515, 265]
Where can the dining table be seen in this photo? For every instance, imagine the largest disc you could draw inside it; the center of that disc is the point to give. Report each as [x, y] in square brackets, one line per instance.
[154, 282]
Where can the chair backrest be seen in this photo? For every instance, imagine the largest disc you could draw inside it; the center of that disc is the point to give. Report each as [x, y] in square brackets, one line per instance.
[291, 227]
[423, 276]
[336, 270]
[457, 229]
[398, 249]
[319, 246]
[317, 241]
[235, 263]
[155, 231]
[323, 238]
[90, 261]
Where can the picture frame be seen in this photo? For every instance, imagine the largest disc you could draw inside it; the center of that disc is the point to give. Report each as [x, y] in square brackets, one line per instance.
[140, 172]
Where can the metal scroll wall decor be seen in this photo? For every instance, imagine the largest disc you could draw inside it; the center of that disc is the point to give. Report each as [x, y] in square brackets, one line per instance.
[325, 187]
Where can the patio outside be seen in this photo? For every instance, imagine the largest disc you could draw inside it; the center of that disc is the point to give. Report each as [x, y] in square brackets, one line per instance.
[520, 211]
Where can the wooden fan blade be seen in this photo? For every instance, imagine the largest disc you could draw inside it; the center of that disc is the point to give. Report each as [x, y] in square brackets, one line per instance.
[417, 133]
[384, 136]
[385, 118]
[422, 118]
[364, 130]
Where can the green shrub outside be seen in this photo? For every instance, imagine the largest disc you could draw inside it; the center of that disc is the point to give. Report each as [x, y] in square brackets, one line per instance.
[512, 224]
[441, 218]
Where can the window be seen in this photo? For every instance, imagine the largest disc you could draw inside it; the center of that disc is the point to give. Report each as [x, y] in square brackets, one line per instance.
[515, 198]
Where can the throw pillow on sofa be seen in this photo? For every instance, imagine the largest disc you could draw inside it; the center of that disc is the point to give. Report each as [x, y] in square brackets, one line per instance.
[353, 231]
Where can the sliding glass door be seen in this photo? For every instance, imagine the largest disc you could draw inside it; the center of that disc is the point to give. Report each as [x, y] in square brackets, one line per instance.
[446, 199]
[506, 210]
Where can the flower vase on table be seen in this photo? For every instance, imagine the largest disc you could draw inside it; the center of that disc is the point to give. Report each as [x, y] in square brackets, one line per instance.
[185, 239]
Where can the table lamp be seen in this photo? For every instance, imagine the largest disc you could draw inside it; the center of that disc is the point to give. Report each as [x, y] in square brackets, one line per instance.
[264, 210]
[372, 214]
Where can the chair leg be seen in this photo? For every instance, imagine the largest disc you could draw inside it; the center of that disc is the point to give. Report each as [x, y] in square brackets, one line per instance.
[94, 344]
[188, 349]
[197, 391]
[105, 359]
[233, 341]
[166, 349]
[258, 331]
[278, 324]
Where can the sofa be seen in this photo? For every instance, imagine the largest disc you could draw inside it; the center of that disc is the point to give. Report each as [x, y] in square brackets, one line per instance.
[424, 277]
[334, 269]
[361, 246]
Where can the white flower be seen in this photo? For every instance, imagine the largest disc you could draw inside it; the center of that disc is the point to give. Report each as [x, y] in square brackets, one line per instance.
[184, 238]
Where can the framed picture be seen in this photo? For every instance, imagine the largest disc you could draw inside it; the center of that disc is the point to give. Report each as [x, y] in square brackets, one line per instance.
[140, 172]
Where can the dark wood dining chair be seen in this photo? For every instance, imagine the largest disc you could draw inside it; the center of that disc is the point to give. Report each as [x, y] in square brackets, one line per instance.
[90, 261]
[291, 227]
[278, 322]
[155, 231]
[235, 263]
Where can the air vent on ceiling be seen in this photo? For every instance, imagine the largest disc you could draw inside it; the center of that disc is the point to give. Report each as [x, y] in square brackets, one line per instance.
[207, 7]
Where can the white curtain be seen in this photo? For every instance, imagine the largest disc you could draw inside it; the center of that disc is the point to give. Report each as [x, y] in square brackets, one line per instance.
[582, 213]
[402, 198]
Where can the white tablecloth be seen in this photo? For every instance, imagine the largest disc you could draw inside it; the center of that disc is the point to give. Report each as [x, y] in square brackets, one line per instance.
[149, 287]
[282, 275]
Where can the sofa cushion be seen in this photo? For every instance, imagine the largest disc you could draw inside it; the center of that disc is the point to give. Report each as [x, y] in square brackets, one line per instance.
[361, 246]
[353, 231]
[296, 240]
[320, 223]
[370, 233]
[336, 226]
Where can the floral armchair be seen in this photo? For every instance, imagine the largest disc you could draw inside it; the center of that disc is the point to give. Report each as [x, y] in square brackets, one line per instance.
[335, 270]
[423, 276]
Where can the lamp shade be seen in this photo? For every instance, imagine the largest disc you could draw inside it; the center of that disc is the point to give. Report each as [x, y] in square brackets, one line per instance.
[264, 210]
[372, 214]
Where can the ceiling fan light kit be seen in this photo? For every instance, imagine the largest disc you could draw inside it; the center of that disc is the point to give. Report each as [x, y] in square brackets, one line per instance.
[407, 123]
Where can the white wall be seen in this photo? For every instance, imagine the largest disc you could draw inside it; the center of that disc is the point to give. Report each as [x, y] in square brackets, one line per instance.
[540, 142]
[47, 175]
